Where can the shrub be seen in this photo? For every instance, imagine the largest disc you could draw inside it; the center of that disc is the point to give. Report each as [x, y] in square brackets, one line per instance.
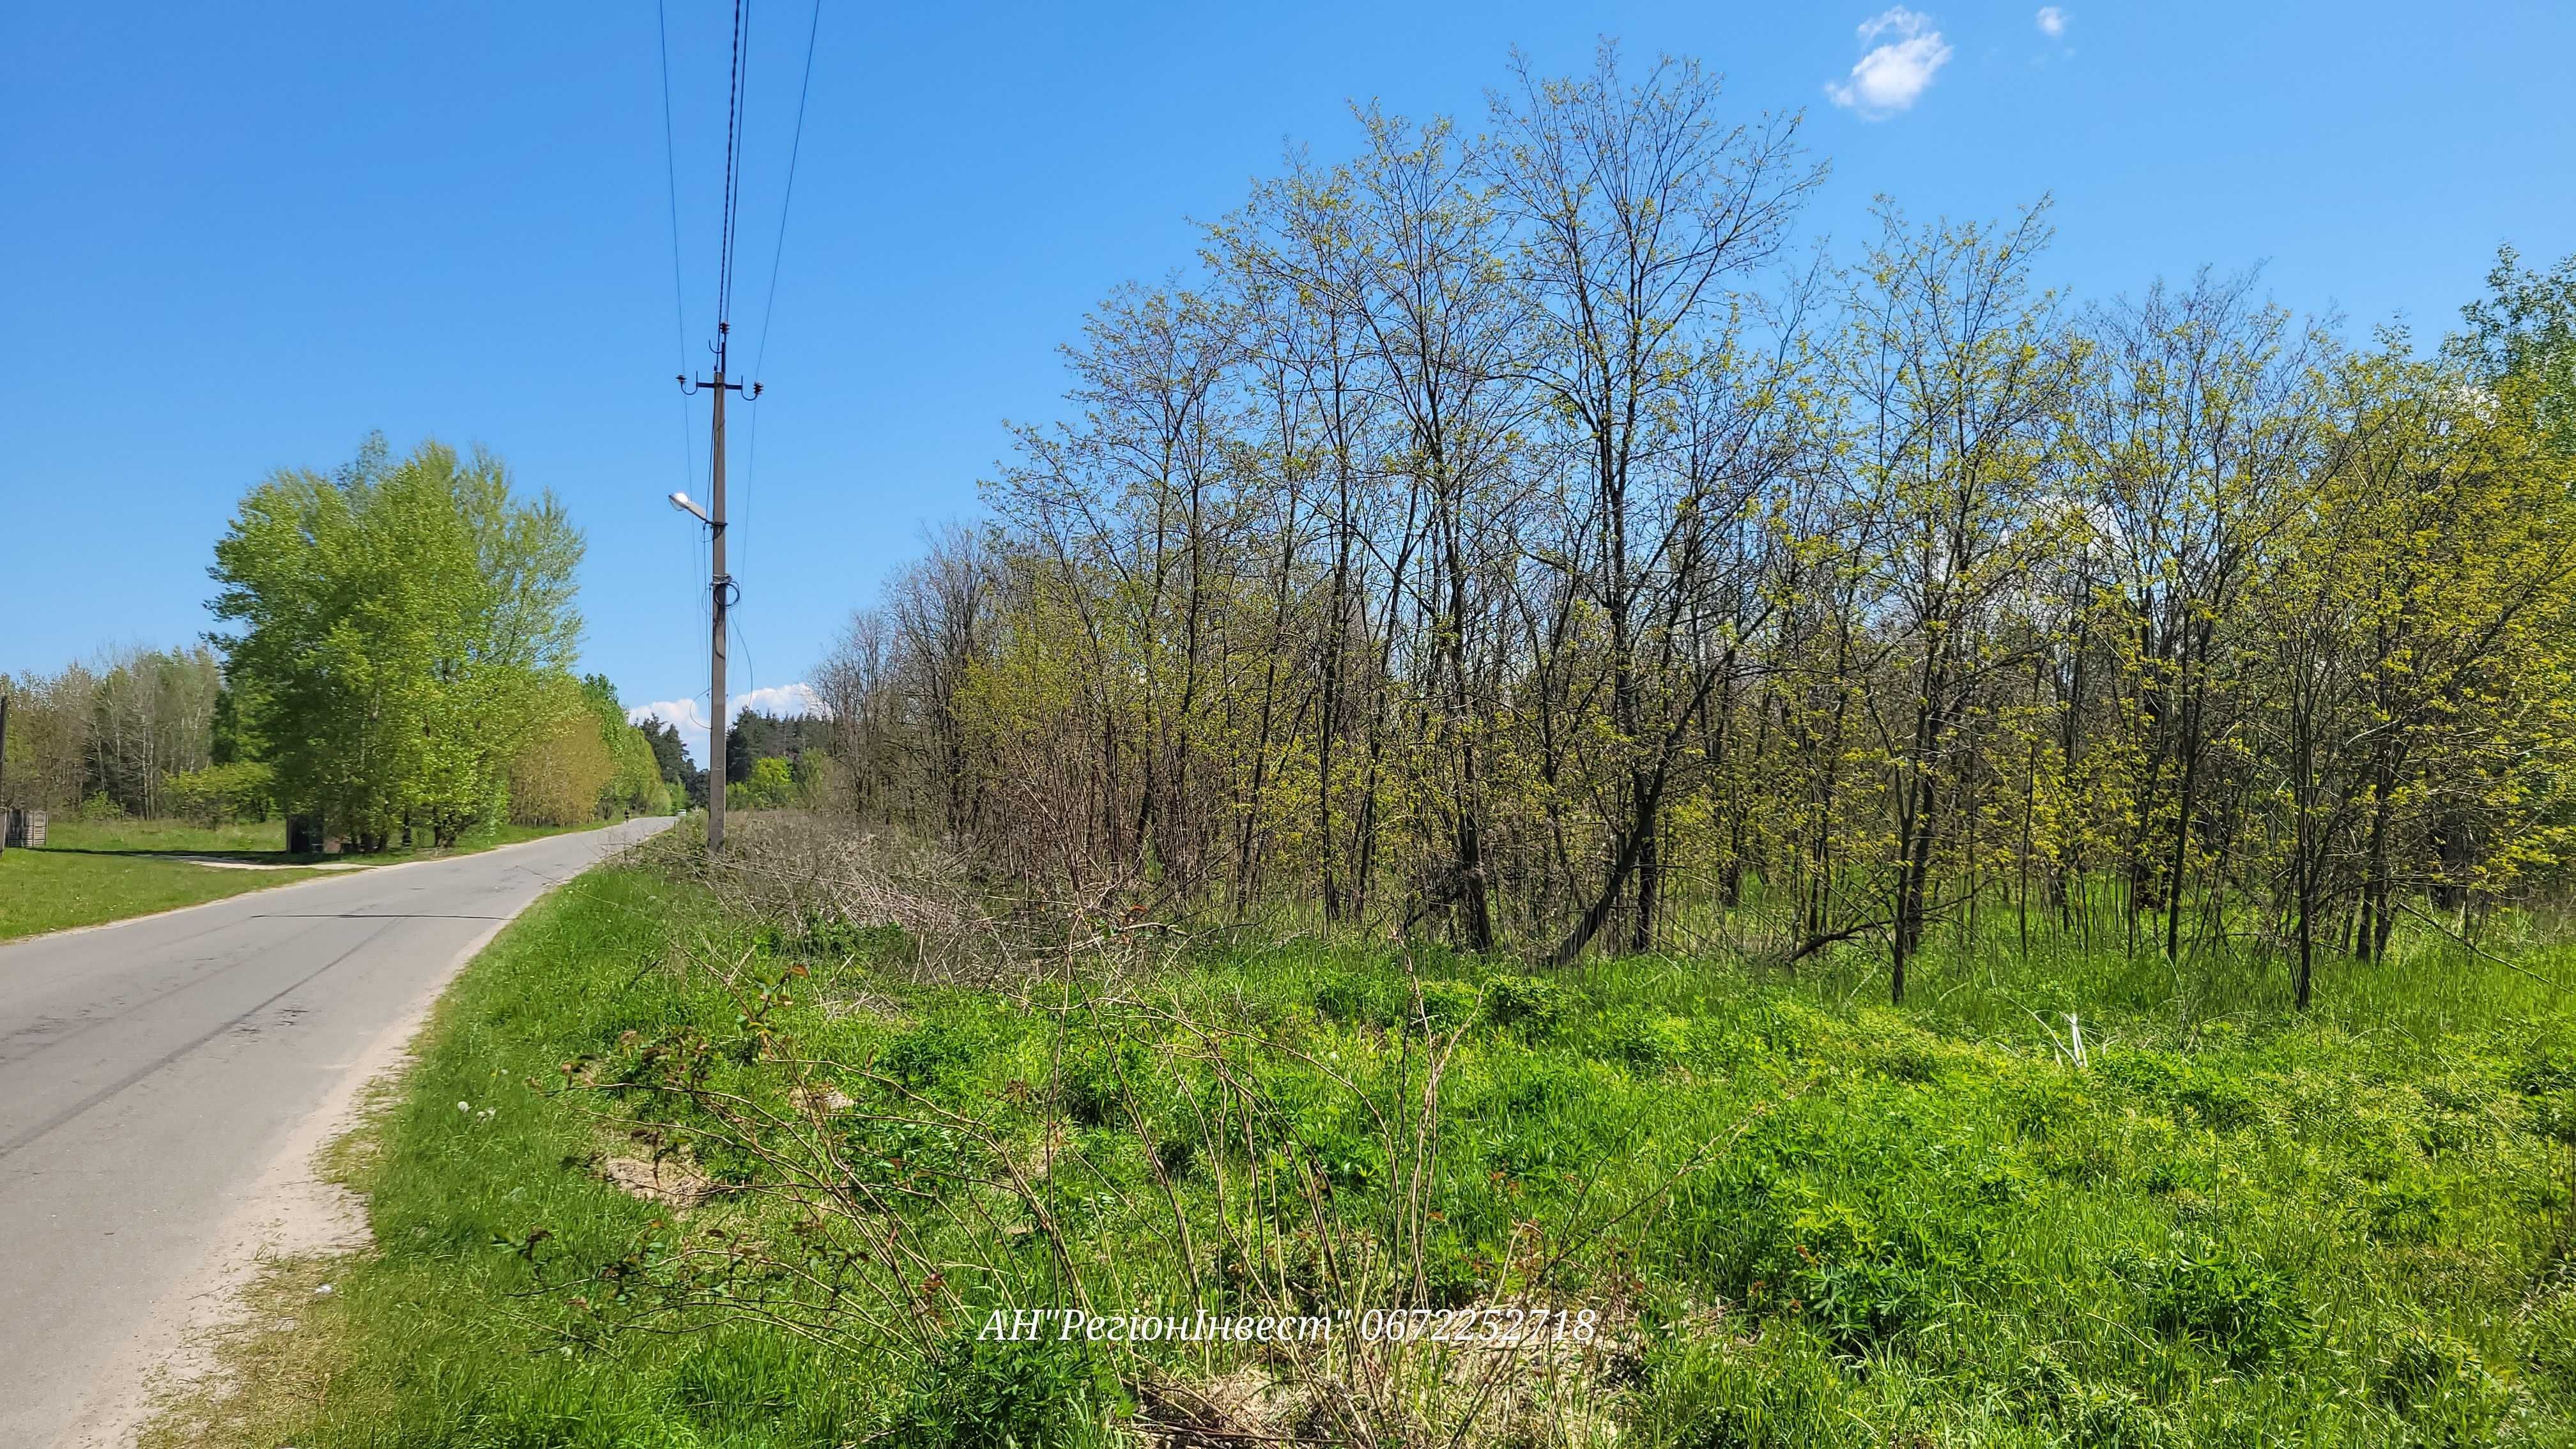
[2552, 1068]
[2209, 1295]
[1531, 1006]
[1354, 998]
[2553, 1115]
[1858, 1284]
[1449, 1005]
[1647, 1043]
[771, 786]
[2222, 1103]
[926, 1055]
[991, 1394]
[243, 790]
[1094, 1083]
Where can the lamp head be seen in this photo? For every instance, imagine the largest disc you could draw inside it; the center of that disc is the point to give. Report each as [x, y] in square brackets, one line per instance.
[681, 502]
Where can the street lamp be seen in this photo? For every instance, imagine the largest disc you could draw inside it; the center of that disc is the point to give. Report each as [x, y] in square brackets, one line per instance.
[721, 587]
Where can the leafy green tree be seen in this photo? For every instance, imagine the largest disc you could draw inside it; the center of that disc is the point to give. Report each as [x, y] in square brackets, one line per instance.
[756, 736]
[2524, 332]
[770, 786]
[635, 786]
[391, 625]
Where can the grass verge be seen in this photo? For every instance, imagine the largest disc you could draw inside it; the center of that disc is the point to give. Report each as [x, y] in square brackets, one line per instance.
[55, 890]
[1796, 1220]
[93, 872]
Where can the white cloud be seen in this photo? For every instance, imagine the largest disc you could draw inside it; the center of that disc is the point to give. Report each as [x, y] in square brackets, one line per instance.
[2052, 21]
[689, 717]
[1895, 72]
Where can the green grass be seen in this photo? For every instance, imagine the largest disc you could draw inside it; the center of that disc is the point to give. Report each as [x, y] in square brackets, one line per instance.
[1802, 1218]
[91, 872]
[55, 889]
[131, 834]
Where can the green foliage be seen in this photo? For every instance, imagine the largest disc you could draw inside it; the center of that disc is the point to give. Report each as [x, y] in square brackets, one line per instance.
[1446, 1005]
[635, 786]
[244, 790]
[564, 768]
[927, 1055]
[687, 783]
[2179, 618]
[2213, 1296]
[2439, 1385]
[755, 736]
[770, 786]
[1353, 997]
[393, 628]
[118, 731]
[986, 1395]
[1532, 1007]
[2521, 341]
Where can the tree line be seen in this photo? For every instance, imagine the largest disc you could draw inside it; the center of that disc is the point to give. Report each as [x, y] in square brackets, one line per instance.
[125, 733]
[1517, 537]
[399, 661]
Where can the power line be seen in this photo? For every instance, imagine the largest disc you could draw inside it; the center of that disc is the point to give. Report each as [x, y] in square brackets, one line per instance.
[723, 594]
[679, 298]
[795, 146]
[778, 251]
[735, 102]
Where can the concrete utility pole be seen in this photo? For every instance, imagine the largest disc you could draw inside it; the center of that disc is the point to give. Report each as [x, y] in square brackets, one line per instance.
[722, 590]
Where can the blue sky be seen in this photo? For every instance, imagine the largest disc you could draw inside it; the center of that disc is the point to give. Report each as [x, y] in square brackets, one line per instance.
[240, 237]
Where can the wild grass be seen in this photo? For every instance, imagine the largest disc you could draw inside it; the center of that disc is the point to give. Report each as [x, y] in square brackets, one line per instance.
[1799, 1216]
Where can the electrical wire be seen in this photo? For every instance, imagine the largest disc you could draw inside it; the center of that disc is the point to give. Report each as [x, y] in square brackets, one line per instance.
[736, 97]
[787, 199]
[778, 251]
[679, 297]
[735, 106]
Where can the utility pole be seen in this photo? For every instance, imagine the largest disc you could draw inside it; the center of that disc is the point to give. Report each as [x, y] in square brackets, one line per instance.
[721, 589]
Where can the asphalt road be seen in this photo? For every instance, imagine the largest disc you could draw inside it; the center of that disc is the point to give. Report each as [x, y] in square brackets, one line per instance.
[150, 1071]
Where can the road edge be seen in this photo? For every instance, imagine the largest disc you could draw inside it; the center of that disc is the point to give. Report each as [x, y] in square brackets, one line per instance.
[315, 879]
[292, 1210]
